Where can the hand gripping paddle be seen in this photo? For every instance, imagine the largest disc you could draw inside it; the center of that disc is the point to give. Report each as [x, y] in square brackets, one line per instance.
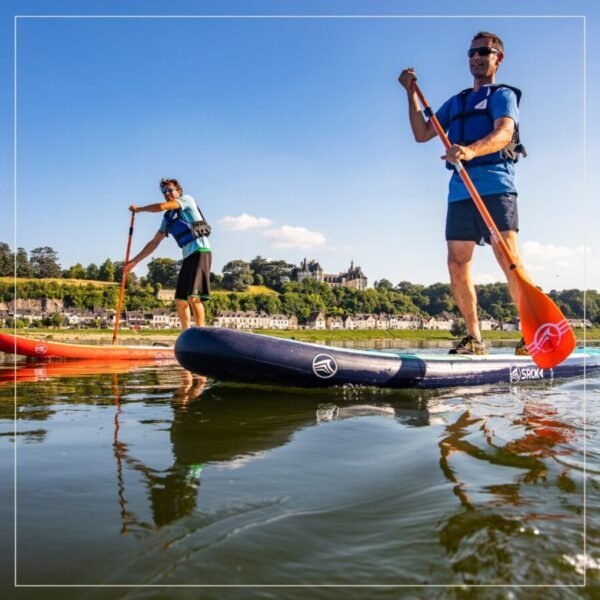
[547, 333]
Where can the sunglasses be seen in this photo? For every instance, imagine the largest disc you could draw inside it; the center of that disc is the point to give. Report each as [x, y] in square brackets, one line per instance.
[482, 51]
[168, 190]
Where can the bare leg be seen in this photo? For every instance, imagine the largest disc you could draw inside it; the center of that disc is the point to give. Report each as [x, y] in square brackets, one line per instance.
[183, 310]
[460, 254]
[510, 237]
[197, 310]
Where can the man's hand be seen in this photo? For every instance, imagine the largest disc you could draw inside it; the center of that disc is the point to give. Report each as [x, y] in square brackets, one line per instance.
[406, 78]
[456, 153]
[133, 208]
[129, 266]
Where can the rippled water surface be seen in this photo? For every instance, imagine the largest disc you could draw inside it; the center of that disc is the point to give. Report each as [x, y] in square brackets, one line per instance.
[141, 475]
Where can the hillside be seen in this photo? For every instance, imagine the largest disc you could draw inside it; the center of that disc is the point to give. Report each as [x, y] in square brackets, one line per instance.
[58, 280]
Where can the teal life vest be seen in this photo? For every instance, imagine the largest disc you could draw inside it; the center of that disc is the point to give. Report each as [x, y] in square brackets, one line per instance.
[468, 126]
[183, 231]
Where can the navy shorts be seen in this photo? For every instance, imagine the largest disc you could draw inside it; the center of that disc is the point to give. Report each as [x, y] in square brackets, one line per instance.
[464, 223]
[194, 277]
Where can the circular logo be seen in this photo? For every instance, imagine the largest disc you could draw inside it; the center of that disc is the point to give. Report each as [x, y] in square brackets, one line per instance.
[41, 349]
[547, 337]
[324, 366]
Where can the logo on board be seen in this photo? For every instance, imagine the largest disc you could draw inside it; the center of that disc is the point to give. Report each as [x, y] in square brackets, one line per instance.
[324, 366]
[41, 349]
[518, 374]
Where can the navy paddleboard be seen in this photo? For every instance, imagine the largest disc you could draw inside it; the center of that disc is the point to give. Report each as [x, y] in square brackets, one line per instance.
[232, 355]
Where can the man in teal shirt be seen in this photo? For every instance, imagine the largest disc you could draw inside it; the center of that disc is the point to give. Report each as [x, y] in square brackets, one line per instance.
[180, 219]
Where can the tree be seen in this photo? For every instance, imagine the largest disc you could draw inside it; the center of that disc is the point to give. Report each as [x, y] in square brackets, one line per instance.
[237, 276]
[92, 271]
[107, 271]
[6, 260]
[383, 285]
[44, 262]
[268, 303]
[23, 265]
[163, 271]
[274, 273]
[77, 271]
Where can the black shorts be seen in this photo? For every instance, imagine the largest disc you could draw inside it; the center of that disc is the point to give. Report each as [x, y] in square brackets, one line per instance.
[464, 223]
[194, 277]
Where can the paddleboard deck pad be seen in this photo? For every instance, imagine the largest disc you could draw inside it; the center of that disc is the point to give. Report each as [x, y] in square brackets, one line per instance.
[24, 346]
[231, 355]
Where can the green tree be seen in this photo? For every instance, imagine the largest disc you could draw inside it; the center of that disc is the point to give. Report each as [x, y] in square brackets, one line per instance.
[44, 262]
[164, 271]
[6, 260]
[77, 271]
[23, 265]
[92, 272]
[383, 285]
[237, 276]
[107, 271]
[268, 303]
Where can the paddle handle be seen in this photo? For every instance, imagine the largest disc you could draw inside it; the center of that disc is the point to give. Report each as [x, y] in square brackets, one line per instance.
[460, 169]
[123, 280]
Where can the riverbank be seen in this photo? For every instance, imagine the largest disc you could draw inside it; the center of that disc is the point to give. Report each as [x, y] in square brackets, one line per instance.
[305, 335]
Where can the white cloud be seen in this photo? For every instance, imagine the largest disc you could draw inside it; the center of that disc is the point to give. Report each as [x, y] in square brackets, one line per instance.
[287, 236]
[244, 222]
[537, 251]
[485, 278]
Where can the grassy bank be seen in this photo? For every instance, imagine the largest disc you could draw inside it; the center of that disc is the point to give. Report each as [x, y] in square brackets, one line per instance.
[306, 335]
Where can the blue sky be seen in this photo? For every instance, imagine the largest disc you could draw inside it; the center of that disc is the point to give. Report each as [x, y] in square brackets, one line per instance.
[291, 133]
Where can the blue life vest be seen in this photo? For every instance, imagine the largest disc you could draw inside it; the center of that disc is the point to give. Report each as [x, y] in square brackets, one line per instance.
[182, 231]
[468, 126]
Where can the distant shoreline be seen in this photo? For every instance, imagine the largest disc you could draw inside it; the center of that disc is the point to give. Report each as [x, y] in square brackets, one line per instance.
[306, 335]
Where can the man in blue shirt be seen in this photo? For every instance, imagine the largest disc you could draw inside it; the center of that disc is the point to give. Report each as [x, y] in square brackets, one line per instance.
[482, 124]
[182, 219]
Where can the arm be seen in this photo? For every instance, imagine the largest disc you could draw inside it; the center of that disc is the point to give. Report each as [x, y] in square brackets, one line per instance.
[493, 142]
[158, 207]
[422, 129]
[148, 249]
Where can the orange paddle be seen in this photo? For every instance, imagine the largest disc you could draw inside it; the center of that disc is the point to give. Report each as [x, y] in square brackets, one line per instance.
[123, 280]
[547, 333]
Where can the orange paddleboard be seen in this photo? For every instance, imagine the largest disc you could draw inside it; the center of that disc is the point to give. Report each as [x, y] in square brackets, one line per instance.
[16, 344]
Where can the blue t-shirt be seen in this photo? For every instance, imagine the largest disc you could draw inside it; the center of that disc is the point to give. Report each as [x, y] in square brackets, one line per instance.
[190, 214]
[488, 179]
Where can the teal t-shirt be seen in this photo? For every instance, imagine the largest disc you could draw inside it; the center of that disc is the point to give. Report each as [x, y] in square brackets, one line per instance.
[190, 214]
[488, 179]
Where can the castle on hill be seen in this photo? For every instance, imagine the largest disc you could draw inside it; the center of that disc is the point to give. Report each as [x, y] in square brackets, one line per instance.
[353, 278]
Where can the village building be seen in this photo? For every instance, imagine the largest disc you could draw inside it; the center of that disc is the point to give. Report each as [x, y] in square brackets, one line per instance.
[166, 295]
[254, 320]
[334, 323]
[316, 321]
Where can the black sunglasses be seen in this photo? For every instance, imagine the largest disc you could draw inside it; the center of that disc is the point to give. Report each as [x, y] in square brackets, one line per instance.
[167, 190]
[482, 51]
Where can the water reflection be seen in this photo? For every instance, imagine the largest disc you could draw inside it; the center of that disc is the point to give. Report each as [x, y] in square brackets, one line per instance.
[501, 466]
[504, 480]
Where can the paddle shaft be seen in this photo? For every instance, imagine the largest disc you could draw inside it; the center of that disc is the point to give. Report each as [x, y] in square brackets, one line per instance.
[483, 211]
[123, 280]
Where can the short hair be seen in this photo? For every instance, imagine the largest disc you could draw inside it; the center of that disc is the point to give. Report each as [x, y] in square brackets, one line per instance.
[176, 183]
[496, 41]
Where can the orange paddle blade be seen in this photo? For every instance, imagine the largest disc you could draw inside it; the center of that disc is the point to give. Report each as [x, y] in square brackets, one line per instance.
[547, 333]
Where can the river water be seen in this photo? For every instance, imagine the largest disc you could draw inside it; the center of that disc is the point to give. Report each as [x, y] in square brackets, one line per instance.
[134, 479]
